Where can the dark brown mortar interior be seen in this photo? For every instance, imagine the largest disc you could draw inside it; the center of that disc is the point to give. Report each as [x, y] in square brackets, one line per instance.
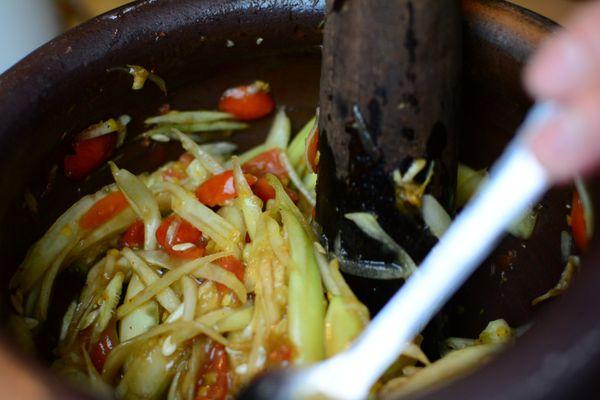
[64, 87]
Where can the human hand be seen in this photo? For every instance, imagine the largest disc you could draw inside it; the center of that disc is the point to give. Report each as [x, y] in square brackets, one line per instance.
[567, 71]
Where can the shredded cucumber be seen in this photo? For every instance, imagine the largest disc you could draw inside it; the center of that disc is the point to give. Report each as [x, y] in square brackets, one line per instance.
[306, 311]
[342, 326]
[281, 130]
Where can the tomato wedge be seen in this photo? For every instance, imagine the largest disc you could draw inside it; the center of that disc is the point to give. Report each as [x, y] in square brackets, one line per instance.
[268, 162]
[578, 223]
[231, 264]
[312, 151]
[263, 189]
[216, 190]
[184, 234]
[213, 383]
[89, 155]
[104, 210]
[134, 235]
[248, 102]
[100, 351]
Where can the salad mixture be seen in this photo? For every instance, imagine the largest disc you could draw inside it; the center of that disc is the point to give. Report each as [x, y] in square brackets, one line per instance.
[206, 272]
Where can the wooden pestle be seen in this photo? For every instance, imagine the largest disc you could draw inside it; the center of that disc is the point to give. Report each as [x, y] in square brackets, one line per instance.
[389, 99]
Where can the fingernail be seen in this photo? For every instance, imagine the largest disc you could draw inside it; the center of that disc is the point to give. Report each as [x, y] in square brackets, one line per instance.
[561, 64]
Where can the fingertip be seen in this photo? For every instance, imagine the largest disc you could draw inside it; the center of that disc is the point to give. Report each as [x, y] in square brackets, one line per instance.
[533, 71]
[558, 68]
[567, 144]
[546, 146]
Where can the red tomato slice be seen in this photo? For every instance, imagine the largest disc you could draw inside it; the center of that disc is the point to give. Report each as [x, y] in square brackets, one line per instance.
[214, 381]
[267, 163]
[184, 233]
[578, 223]
[100, 351]
[248, 102]
[89, 155]
[134, 235]
[216, 190]
[233, 265]
[312, 151]
[263, 189]
[104, 210]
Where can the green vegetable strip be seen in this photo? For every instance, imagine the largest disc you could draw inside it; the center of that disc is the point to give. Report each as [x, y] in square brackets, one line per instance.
[469, 181]
[117, 225]
[434, 215]
[119, 354]
[203, 218]
[368, 224]
[250, 205]
[342, 326]
[220, 275]
[237, 320]
[295, 178]
[297, 148]
[143, 318]
[332, 277]
[214, 126]
[147, 374]
[48, 283]
[198, 127]
[161, 285]
[524, 226]
[100, 129]
[110, 300]
[310, 181]
[216, 149]
[207, 161]
[285, 203]
[140, 74]
[346, 316]
[167, 298]
[158, 81]
[188, 117]
[62, 234]
[141, 200]
[95, 382]
[306, 311]
[281, 130]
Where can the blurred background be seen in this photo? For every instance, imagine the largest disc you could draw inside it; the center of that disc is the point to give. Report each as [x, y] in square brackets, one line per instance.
[27, 24]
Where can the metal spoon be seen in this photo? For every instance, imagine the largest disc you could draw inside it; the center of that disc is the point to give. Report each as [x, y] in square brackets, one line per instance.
[516, 181]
